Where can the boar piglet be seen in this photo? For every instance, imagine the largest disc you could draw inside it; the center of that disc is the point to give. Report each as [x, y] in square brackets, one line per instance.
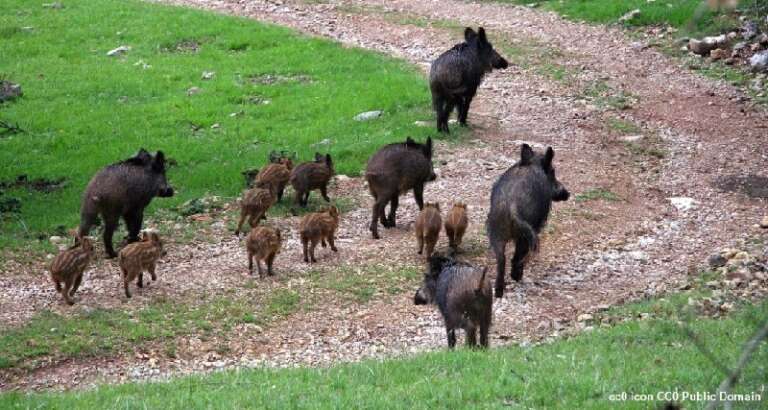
[309, 176]
[428, 224]
[123, 190]
[520, 202]
[139, 257]
[394, 170]
[68, 266]
[254, 206]
[262, 244]
[463, 295]
[456, 224]
[318, 227]
[275, 176]
[455, 76]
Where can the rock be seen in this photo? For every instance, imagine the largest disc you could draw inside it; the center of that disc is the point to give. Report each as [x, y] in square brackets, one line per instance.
[629, 16]
[704, 46]
[422, 123]
[215, 126]
[631, 138]
[718, 54]
[56, 239]
[55, 5]
[207, 75]
[9, 91]
[749, 30]
[342, 178]
[716, 260]
[193, 90]
[368, 115]
[584, 317]
[759, 61]
[683, 203]
[764, 222]
[763, 39]
[118, 51]
[322, 143]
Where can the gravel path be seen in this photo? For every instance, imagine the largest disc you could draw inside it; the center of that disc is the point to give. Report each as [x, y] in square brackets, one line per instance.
[595, 253]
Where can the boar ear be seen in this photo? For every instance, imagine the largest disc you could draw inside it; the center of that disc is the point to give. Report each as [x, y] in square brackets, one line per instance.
[158, 164]
[526, 154]
[548, 157]
[141, 158]
[428, 148]
[469, 34]
[436, 263]
[481, 35]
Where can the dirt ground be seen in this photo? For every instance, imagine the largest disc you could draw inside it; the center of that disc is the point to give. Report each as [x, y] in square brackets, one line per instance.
[688, 134]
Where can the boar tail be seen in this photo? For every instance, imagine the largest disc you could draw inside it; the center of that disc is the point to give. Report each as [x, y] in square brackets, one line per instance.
[525, 233]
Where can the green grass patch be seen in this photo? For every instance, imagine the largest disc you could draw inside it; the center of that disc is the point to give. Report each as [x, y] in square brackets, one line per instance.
[585, 371]
[623, 126]
[691, 15]
[108, 331]
[364, 284]
[272, 89]
[595, 194]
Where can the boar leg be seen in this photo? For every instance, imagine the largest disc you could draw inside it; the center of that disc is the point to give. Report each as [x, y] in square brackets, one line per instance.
[418, 195]
[464, 108]
[76, 285]
[324, 192]
[501, 261]
[518, 261]
[56, 283]
[332, 243]
[133, 222]
[65, 293]
[471, 335]
[451, 338]
[485, 326]
[270, 260]
[110, 225]
[151, 271]
[393, 203]
[258, 266]
[304, 243]
[378, 209]
[126, 283]
[449, 233]
[250, 263]
[312, 245]
[140, 281]
[297, 198]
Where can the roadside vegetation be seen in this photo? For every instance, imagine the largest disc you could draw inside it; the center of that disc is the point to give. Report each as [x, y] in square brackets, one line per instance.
[645, 352]
[216, 93]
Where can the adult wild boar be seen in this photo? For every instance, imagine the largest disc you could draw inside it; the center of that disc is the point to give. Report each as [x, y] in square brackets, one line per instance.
[455, 76]
[394, 170]
[124, 189]
[520, 203]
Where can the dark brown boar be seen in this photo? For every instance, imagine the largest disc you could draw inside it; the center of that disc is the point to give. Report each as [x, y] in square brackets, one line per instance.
[254, 206]
[456, 224]
[463, 295]
[263, 244]
[394, 170]
[428, 225]
[318, 227]
[139, 257]
[275, 177]
[68, 267]
[309, 176]
[123, 190]
[520, 202]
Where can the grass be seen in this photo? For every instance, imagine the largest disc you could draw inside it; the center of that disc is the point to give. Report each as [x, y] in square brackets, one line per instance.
[689, 15]
[623, 126]
[82, 110]
[637, 357]
[100, 332]
[595, 194]
[361, 285]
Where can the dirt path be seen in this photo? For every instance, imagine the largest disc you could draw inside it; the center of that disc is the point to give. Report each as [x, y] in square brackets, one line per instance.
[595, 252]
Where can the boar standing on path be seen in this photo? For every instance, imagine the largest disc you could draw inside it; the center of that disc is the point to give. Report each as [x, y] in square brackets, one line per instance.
[463, 295]
[140, 257]
[318, 227]
[455, 76]
[275, 177]
[520, 203]
[68, 267]
[254, 206]
[263, 244]
[428, 225]
[309, 176]
[394, 170]
[123, 190]
[456, 224]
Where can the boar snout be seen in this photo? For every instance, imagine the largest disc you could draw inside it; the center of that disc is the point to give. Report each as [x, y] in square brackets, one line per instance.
[165, 192]
[432, 177]
[499, 62]
[419, 298]
[561, 194]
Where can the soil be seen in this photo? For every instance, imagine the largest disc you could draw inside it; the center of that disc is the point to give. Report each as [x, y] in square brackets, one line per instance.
[666, 216]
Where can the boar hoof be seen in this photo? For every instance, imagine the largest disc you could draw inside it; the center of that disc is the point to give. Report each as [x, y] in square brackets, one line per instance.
[499, 293]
